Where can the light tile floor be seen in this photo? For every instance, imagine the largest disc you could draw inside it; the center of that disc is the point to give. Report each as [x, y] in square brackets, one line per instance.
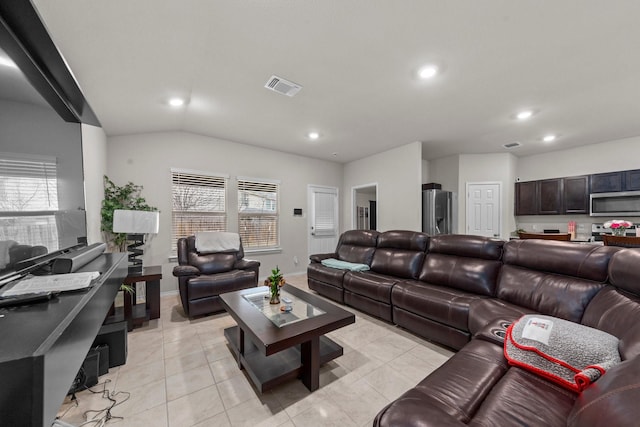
[180, 373]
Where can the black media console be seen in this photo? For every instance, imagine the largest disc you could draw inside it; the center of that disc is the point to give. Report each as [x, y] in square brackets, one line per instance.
[43, 345]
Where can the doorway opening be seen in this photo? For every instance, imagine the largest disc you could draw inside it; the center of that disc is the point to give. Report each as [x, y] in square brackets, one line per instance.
[365, 207]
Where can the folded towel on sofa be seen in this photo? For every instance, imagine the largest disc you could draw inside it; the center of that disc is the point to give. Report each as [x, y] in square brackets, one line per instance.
[216, 241]
[564, 352]
[344, 265]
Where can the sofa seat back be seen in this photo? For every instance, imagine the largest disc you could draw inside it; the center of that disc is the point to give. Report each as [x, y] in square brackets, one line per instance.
[357, 246]
[400, 253]
[553, 278]
[207, 263]
[467, 263]
[616, 308]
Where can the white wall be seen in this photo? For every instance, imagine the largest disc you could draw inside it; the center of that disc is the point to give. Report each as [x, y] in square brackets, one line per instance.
[398, 173]
[94, 158]
[622, 154]
[445, 171]
[146, 160]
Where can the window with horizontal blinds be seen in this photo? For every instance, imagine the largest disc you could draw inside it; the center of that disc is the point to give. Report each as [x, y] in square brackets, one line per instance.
[325, 215]
[198, 203]
[29, 199]
[258, 213]
[28, 184]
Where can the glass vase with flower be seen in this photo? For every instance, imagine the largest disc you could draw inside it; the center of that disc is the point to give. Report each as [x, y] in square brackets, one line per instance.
[618, 226]
[274, 282]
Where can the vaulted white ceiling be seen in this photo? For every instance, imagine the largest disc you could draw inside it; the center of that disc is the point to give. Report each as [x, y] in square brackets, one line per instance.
[575, 63]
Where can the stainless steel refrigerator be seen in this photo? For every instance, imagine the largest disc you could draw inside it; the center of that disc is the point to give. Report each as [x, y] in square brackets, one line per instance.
[439, 212]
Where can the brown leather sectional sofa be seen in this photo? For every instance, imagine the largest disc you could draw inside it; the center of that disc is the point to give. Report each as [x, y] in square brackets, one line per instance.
[463, 291]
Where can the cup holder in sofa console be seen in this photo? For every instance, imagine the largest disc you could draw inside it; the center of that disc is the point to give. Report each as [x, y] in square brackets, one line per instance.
[500, 333]
[505, 325]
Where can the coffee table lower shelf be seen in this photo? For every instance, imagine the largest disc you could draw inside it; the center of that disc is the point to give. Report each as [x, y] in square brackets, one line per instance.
[267, 372]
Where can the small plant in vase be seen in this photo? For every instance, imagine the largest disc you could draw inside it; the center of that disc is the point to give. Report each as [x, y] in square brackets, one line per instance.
[274, 282]
[618, 226]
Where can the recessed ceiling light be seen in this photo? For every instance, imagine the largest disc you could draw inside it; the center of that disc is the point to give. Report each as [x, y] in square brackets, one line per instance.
[313, 135]
[524, 115]
[7, 62]
[427, 72]
[549, 138]
[176, 102]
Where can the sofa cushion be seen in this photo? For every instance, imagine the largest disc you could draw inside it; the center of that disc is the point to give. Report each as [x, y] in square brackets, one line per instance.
[556, 295]
[206, 286]
[612, 401]
[616, 309]
[477, 388]
[403, 239]
[212, 263]
[521, 398]
[469, 263]
[370, 284]
[357, 246]
[401, 263]
[467, 246]
[324, 274]
[444, 305]
[453, 392]
[474, 275]
[564, 258]
[399, 253]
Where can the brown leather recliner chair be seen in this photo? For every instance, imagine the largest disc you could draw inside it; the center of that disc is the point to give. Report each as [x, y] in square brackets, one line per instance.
[202, 277]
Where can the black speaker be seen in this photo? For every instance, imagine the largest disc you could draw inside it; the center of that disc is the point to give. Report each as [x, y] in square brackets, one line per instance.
[90, 366]
[70, 262]
[114, 335]
[103, 359]
[87, 376]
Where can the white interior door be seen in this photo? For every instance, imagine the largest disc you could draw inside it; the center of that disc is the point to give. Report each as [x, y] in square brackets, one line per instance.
[483, 209]
[323, 230]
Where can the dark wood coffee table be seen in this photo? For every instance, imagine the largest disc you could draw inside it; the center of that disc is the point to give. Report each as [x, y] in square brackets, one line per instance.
[275, 346]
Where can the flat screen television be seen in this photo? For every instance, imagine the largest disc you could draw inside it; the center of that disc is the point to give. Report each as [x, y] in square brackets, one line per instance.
[42, 201]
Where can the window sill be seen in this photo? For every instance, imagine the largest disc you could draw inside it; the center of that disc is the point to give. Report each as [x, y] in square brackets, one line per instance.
[263, 251]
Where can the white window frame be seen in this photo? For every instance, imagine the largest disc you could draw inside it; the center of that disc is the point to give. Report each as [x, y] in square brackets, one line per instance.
[246, 242]
[194, 176]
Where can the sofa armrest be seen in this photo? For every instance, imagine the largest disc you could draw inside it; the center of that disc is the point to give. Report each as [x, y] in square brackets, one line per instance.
[185, 270]
[320, 257]
[246, 264]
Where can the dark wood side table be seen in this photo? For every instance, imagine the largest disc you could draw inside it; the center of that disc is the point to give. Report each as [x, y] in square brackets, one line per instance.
[134, 313]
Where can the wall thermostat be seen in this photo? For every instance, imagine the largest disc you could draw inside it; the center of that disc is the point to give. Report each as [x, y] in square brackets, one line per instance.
[297, 212]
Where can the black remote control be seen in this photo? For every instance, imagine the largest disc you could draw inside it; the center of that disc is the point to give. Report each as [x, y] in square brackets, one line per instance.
[25, 299]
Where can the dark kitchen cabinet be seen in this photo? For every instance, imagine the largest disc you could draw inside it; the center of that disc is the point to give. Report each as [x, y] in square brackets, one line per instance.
[607, 182]
[550, 196]
[526, 198]
[576, 195]
[632, 180]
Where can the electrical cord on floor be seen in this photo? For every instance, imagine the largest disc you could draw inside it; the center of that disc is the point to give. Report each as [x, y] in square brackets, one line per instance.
[102, 416]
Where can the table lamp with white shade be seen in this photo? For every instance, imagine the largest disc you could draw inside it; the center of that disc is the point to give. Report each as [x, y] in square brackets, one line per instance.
[136, 224]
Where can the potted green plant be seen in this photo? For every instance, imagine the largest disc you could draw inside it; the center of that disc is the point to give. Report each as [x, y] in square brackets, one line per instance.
[117, 197]
[274, 282]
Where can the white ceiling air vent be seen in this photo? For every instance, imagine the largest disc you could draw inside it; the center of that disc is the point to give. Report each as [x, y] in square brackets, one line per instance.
[280, 85]
[510, 145]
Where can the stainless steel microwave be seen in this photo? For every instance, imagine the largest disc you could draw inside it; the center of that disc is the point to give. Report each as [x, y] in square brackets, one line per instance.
[626, 203]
